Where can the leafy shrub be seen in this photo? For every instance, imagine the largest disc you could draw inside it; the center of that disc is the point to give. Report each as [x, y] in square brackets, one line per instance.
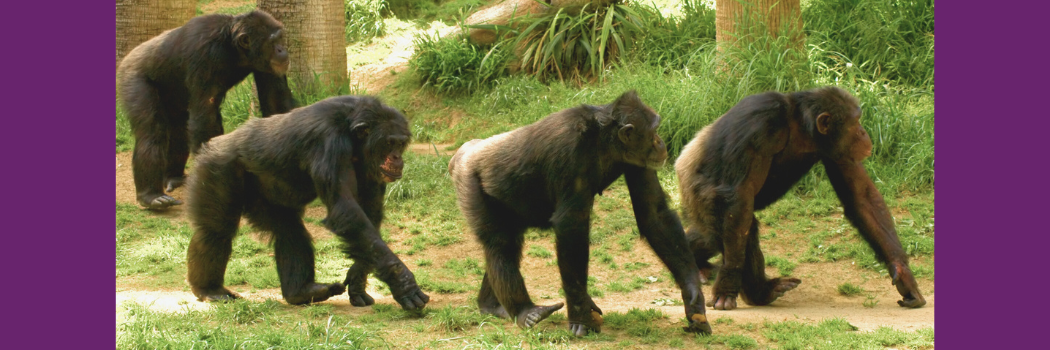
[363, 19]
[452, 64]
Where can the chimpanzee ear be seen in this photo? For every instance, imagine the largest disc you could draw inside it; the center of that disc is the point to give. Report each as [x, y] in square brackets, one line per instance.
[244, 41]
[360, 129]
[625, 132]
[823, 123]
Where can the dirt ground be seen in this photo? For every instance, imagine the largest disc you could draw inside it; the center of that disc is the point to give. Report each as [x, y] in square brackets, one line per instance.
[816, 299]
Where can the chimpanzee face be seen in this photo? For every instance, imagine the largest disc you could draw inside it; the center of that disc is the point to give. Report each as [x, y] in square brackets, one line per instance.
[278, 49]
[849, 141]
[643, 147]
[384, 136]
[260, 38]
[392, 164]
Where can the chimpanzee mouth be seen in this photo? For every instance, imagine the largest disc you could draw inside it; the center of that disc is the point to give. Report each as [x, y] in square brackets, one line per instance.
[390, 176]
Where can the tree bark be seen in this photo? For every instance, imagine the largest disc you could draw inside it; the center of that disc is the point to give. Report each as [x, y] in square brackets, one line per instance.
[736, 19]
[141, 20]
[315, 31]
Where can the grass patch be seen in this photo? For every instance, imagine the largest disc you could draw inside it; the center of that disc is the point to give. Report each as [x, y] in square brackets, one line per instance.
[850, 289]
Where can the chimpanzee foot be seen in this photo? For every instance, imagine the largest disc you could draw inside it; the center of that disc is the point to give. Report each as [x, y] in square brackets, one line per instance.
[315, 292]
[698, 324]
[361, 299]
[356, 284]
[723, 301]
[215, 295]
[533, 315]
[580, 328]
[498, 311]
[171, 183]
[158, 202]
[912, 302]
[782, 285]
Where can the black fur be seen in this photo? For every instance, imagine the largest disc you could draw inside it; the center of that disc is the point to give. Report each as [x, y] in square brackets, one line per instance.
[749, 158]
[546, 175]
[344, 150]
[172, 87]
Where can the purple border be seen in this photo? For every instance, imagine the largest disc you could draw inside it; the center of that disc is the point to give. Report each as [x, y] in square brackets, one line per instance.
[992, 129]
[58, 139]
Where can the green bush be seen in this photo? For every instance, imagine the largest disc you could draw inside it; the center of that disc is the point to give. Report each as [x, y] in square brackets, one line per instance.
[452, 64]
[363, 19]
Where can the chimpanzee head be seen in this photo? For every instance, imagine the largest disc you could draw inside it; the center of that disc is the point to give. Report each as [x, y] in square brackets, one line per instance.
[260, 40]
[636, 133]
[381, 134]
[838, 132]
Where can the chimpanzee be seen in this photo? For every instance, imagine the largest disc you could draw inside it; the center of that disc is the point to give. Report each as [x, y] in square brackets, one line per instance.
[343, 150]
[749, 158]
[172, 87]
[546, 175]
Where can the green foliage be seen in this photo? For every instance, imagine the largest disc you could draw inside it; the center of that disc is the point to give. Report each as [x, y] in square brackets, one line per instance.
[573, 47]
[453, 65]
[890, 39]
[363, 19]
[422, 11]
[672, 41]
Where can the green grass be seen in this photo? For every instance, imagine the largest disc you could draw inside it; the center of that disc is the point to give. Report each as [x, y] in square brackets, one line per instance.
[850, 289]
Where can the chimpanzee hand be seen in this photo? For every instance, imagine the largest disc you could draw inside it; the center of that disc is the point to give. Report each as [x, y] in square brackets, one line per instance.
[694, 310]
[403, 287]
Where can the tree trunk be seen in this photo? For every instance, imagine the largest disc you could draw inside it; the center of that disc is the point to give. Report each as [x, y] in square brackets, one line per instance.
[141, 20]
[315, 30]
[501, 14]
[736, 19]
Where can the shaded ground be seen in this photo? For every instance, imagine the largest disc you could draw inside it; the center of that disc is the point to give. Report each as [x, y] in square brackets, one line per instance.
[816, 299]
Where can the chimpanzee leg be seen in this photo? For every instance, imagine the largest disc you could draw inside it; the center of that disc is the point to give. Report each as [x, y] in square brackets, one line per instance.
[704, 247]
[759, 290]
[573, 245]
[736, 223]
[293, 252]
[503, 269]
[152, 126]
[488, 303]
[215, 210]
[178, 153]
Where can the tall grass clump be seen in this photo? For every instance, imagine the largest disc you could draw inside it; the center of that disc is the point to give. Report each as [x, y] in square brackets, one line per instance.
[670, 41]
[576, 46]
[363, 19]
[454, 65]
[889, 39]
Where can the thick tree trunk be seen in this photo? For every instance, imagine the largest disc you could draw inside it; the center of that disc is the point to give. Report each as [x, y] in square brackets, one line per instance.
[735, 19]
[140, 20]
[315, 30]
[502, 13]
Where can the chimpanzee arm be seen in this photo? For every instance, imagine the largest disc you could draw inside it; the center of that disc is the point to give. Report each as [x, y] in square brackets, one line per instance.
[866, 210]
[274, 95]
[663, 230]
[336, 184]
